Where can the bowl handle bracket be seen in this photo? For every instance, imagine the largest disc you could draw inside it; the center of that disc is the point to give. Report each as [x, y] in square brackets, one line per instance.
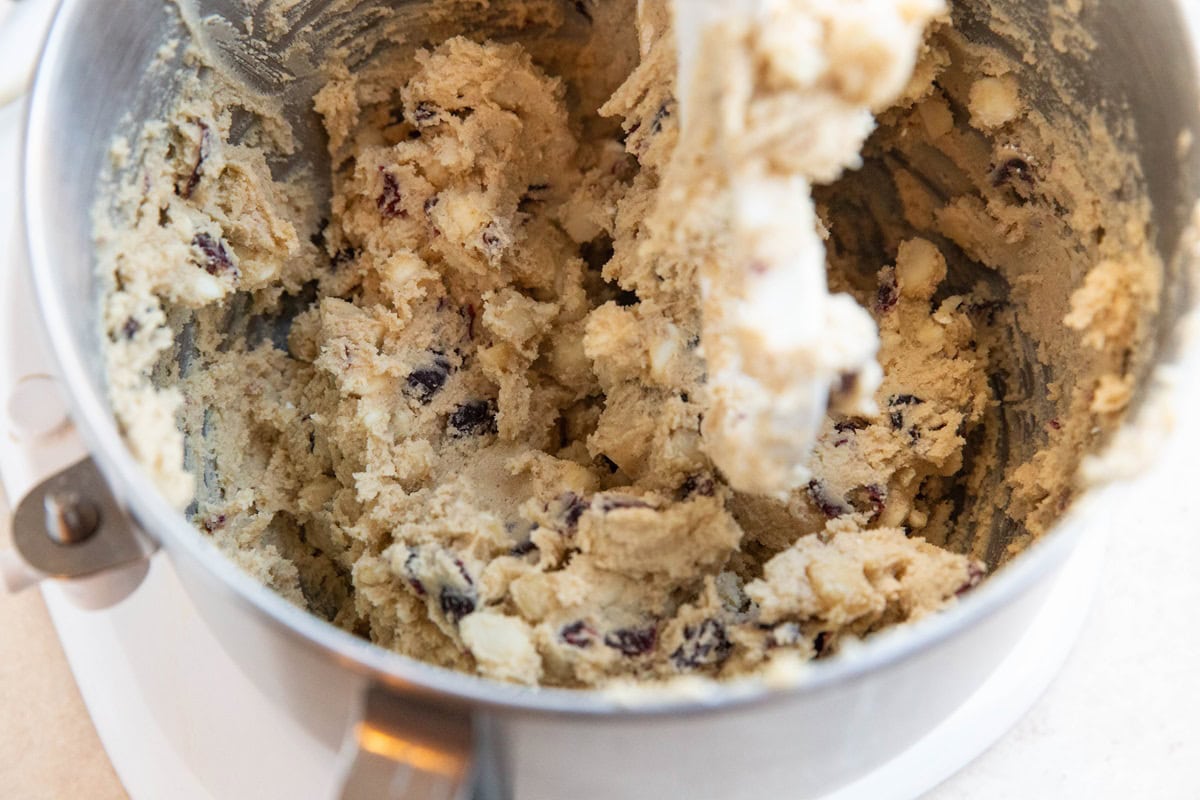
[70, 527]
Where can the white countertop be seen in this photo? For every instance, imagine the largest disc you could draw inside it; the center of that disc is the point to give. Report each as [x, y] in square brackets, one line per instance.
[1120, 720]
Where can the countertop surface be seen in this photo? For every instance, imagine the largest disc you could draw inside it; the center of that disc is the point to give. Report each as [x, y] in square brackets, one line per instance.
[48, 747]
[1120, 720]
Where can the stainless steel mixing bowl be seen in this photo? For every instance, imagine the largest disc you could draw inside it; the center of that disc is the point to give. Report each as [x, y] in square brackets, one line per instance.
[427, 732]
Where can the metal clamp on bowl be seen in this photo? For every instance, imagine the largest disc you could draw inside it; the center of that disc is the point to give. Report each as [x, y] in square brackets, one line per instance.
[66, 525]
[70, 527]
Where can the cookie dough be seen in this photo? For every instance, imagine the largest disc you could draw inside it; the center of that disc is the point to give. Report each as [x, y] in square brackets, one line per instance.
[473, 409]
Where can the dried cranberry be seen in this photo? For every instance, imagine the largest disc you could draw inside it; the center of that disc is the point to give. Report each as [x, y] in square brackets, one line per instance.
[214, 522]
[975, 575]
[871, 498]
[462, 570]
[474, 418]
[572, 507]
[455, 605]
[904, 400]
[390, 201]
[193, 179]
[703, 646]
[130, 328]
[850, 425]
[828, 506]
[424, 113]
[898, 401]
[217, 260]
[522, 548]
[411, 570]
[578, 634]
[493, 242]
[617, 502]
[424, 382]
[663, 112]
[632, 642]
[888, 293]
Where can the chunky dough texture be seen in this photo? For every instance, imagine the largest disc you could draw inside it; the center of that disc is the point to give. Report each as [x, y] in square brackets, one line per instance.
[463, 414]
